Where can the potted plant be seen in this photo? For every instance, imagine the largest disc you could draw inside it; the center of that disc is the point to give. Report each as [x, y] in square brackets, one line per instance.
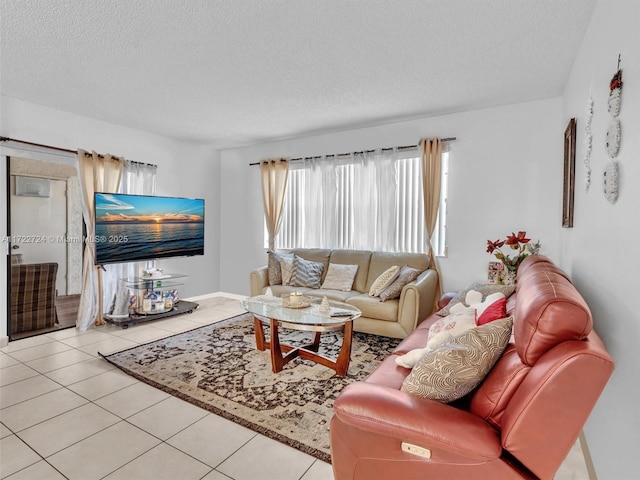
[522, 246]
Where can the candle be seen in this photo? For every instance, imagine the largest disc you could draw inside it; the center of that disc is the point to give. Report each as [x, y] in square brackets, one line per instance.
[295, 298]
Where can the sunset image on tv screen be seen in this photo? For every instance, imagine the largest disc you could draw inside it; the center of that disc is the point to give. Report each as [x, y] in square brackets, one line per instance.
[139, 227]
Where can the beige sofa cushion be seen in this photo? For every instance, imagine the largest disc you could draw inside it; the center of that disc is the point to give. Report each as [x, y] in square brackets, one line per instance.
[372, 307]
[332, 294]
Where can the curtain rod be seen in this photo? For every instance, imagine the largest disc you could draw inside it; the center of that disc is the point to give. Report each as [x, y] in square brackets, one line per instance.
[448, 139]
[8, 139]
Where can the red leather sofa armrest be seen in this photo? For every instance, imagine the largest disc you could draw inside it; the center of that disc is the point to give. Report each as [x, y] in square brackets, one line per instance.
[451, 434]
[445, 299]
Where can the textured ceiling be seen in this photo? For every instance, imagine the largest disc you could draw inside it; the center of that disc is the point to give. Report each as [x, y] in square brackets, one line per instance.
[238, 72]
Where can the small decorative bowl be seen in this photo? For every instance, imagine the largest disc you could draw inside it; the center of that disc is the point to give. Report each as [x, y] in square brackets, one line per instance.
[296, 301]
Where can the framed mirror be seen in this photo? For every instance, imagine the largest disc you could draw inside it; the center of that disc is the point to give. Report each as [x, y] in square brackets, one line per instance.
[569, 173]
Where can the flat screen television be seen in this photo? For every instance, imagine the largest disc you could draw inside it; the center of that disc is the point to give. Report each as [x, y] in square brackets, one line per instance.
[141, 227]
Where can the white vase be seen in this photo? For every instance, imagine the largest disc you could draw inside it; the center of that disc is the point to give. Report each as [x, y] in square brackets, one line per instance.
[508, 277]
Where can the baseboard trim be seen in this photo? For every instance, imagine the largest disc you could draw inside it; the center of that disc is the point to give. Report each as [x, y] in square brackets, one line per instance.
[4, 341]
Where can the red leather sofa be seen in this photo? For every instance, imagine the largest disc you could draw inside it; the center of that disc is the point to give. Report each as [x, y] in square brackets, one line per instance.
[519, 423]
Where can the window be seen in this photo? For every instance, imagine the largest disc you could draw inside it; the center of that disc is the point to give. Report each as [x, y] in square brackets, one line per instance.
[366, 200]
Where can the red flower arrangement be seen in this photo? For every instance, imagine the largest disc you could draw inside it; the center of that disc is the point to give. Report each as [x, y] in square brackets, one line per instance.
[517, 242]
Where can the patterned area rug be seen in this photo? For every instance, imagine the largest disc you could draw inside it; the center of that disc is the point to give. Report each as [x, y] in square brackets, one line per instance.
[218, 368]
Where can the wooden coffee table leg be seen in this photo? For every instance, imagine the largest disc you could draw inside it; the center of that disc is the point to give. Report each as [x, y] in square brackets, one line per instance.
[277, 361]
[315, 346]
[259, 331]
[342, 362]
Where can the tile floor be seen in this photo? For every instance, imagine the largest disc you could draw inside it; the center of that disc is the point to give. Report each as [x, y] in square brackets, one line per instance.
[67, 413]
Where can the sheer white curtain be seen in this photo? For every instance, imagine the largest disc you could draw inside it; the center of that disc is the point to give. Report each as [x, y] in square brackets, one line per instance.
[372, 212]
[138, 179]
[97, 173]
[342, 202]
[365, 200]
[318, 215]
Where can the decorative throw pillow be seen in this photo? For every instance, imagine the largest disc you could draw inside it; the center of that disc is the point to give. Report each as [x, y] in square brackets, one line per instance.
[306, 273]
[441, 331]
[485, 289]
[340, 277]
[454, 369]
[274, 270]
[405, 275]
[385, 279]
[495, 311]
[286, 267]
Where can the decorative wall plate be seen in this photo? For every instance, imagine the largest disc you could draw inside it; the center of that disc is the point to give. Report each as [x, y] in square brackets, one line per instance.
[612, 143]
[588, 143]
[613, 138]
[610, 182]
[613, 103]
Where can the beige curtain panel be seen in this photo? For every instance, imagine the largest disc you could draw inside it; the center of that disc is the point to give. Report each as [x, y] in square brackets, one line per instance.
[274, 174]
[431, 151]
[97, 173]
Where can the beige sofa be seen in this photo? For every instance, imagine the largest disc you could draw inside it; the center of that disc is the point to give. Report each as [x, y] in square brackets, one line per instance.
[392, 318]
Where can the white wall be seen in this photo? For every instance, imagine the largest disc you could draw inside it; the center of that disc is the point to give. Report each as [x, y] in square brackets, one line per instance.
[505, 176]
[600, 251]
[184, 169]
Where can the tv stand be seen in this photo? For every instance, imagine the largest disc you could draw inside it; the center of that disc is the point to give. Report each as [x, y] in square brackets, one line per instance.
[152, 298]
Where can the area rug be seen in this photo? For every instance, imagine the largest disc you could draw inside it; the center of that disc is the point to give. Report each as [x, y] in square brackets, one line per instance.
[218, 368]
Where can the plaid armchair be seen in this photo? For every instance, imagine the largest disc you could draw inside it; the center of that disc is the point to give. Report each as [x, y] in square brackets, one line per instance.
[33, 295]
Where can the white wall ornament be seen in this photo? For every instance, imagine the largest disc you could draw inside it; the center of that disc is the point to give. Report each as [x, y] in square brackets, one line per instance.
[610, 182]
[613, 137]
[613, 103]
[588, 143]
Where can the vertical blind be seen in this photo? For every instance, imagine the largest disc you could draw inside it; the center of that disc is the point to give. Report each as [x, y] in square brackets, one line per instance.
[366, 200]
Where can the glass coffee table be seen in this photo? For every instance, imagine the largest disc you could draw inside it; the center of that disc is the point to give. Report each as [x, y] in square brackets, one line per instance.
[271, 311]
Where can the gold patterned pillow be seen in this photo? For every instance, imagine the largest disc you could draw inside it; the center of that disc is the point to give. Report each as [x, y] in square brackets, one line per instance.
[340, 277]
[405, 275]
[385, 279]
[457, 367]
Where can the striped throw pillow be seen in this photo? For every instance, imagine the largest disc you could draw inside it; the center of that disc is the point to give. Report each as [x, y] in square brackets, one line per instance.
[306, 273]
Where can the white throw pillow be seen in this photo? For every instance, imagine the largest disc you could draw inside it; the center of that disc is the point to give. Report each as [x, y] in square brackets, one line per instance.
[441, 332]
[483, 288]
[340, 277]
